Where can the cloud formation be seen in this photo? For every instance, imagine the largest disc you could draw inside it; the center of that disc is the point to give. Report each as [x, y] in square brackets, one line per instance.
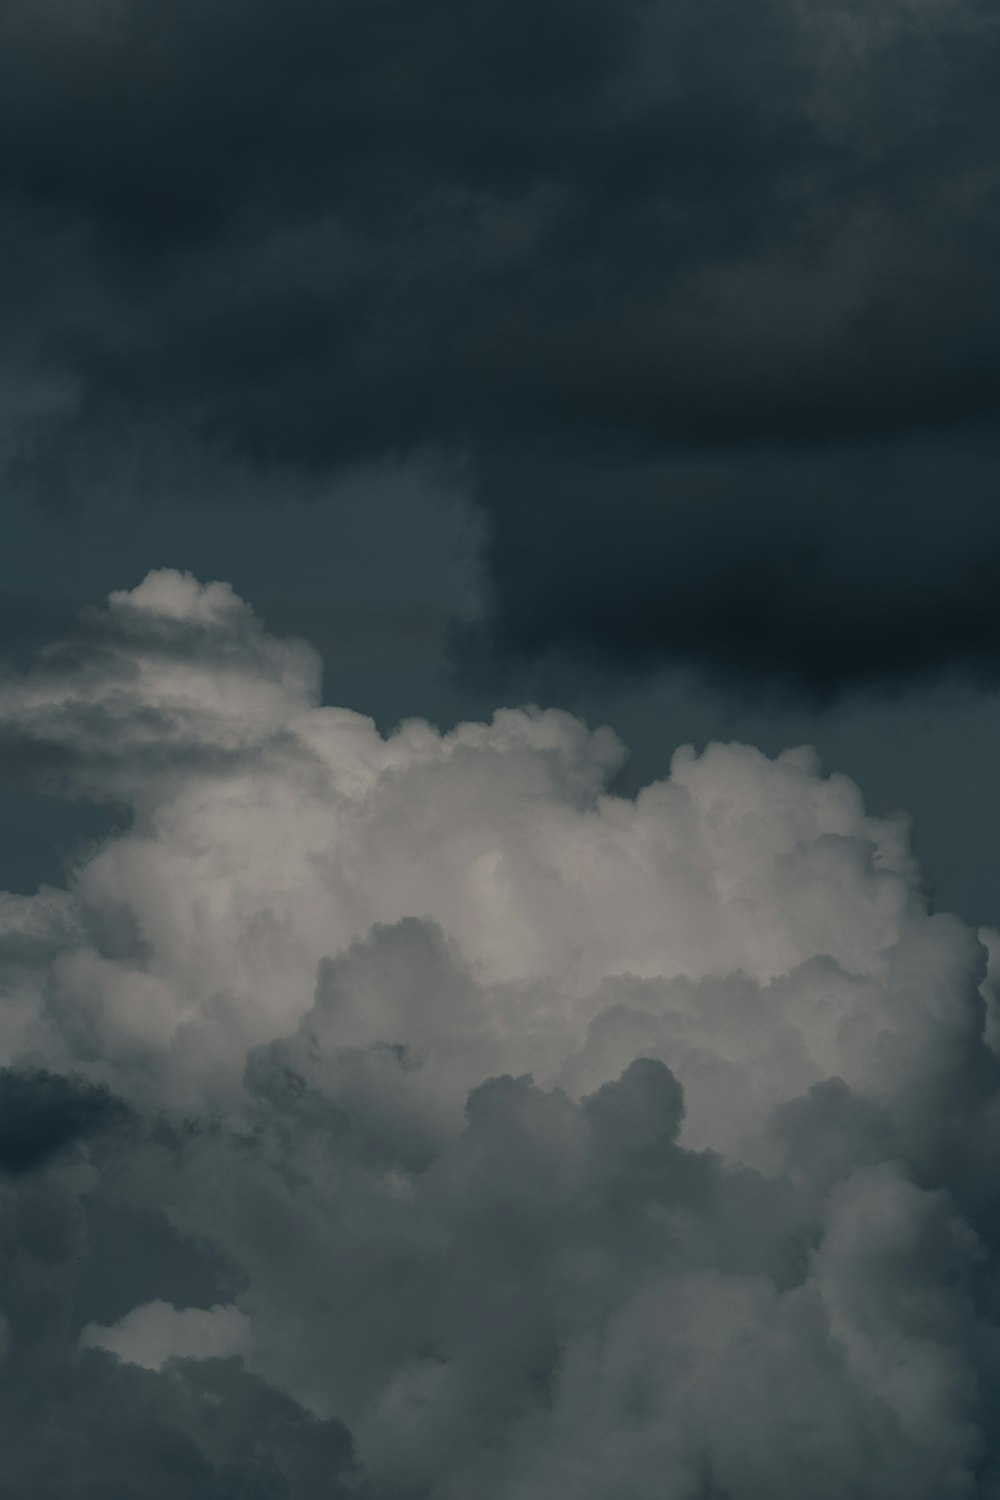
[155, 1332]
[42, 1114]
[697, 295]
[465, 1129]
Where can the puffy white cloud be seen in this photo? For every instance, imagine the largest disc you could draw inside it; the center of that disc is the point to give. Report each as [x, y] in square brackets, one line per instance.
[733, 1235]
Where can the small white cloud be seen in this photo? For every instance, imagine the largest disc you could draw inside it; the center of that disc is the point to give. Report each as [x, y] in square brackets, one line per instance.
[155, 1332]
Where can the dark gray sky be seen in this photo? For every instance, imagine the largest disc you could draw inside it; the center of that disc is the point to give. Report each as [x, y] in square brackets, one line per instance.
[633, 358]
[690, 307]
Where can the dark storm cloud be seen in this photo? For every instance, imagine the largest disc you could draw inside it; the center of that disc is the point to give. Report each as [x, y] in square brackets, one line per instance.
[81, 1423]
[94, 1427]
[676, 281]
[42, 1113]
[822, 565]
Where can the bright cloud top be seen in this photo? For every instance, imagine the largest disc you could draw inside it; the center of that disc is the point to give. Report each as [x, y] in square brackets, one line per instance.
[733, 1236]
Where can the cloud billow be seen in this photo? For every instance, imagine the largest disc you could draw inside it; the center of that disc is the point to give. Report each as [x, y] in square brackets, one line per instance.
[41, 1113]
[488, 1133]
[698, 297]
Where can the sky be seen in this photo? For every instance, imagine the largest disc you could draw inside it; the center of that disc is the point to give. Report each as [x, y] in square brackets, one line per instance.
[499, 706]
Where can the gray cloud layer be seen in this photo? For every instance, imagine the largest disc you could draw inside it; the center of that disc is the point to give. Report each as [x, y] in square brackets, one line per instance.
[697, 294]
[408, 1117]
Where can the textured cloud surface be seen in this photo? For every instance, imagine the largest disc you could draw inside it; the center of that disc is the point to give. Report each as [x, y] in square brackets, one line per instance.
[703, 288]
[409, 1117]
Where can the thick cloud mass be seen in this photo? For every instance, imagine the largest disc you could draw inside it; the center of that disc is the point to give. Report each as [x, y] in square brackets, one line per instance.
[41, 1113]
[697, 294]
[469, 1130]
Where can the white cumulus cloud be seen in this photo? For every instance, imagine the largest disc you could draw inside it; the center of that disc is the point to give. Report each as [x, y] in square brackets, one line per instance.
[562, 1143]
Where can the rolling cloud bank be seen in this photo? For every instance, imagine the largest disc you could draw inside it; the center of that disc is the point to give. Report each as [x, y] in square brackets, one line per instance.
[409, 1117]
[699, 293]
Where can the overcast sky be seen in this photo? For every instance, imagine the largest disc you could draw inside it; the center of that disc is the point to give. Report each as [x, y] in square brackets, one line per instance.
[455, 454]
